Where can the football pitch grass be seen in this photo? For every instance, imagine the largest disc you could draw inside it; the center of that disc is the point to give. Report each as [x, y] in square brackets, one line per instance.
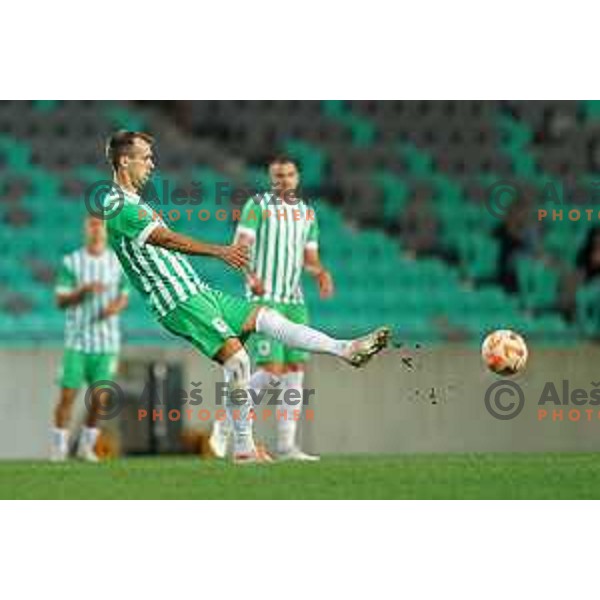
[441, 476]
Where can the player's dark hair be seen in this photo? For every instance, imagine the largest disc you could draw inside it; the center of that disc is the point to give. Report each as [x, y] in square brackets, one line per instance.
[120, 144]
[284, 159]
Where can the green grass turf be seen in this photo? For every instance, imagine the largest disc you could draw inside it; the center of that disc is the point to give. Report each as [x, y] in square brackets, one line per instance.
[542, 476]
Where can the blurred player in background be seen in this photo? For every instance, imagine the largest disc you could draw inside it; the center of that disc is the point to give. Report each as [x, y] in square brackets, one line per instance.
[91, 288]
[214, 322]
[282, 234]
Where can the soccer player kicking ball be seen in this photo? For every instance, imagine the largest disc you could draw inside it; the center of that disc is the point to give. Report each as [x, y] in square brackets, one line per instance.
[281, 232]
[91, 288]
[212, 321]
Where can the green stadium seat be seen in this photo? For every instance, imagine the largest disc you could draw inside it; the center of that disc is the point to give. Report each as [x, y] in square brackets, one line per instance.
[564, 239]
[363, 132]
[588, 309]
[419, 163]
[538, 283]
[395, 195]
[45, 105]
[479, 255]
[122, 118]
[311, 158]
[516, 134]
[15, 154]
[591, 108]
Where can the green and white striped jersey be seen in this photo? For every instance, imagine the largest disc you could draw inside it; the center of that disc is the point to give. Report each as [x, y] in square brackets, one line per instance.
[164, 278]
[281, 233]
[84, 330]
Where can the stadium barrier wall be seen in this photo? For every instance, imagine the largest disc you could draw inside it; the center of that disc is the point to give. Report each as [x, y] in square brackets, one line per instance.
[435, 406]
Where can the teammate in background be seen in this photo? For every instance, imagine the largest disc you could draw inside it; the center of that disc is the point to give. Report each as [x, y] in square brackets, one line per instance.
[214, 322]
[91, 288]
[282, 234]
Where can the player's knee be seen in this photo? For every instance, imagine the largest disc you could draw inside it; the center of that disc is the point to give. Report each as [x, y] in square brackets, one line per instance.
[267, 318]
[238, 368]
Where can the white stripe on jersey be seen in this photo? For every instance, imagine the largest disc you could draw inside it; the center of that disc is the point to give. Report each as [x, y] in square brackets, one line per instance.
[291, 255]
[258, 254]
[164, 271]
[282, 230]
[191, 274]
[175, 262]
[269, 260]
[140, 266]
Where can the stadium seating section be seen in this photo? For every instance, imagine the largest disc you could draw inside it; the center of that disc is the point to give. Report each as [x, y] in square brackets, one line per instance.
[379, 174]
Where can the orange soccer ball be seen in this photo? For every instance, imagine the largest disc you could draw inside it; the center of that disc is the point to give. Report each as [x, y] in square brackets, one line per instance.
[504, 352]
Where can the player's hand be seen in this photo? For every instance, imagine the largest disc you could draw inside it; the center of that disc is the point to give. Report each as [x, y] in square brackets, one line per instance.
[236, 255]
[256, 285]
[325, 283]
[108, 312]
[94, 287]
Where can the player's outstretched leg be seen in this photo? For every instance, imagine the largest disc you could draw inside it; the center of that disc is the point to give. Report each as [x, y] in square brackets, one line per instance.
[356, 352]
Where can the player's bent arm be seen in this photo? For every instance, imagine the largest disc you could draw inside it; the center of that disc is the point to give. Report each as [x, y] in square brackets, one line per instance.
[236, 255]
[312, 262]
[245, 239]
[123, 301]
[314, 266]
